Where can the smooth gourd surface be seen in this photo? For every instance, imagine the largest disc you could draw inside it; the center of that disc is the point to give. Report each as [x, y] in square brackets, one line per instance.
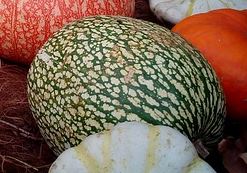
[221, 36]
[97, 72]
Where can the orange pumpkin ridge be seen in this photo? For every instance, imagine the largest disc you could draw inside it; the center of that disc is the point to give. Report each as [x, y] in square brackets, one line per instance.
[221, 36]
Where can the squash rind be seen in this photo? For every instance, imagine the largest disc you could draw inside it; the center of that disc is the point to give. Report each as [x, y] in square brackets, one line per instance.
[97, 72]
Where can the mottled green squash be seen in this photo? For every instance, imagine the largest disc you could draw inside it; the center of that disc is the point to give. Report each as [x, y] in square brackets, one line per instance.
[102, 70]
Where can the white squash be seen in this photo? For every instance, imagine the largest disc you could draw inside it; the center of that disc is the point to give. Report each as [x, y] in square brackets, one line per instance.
[176, 10]
[132, 147]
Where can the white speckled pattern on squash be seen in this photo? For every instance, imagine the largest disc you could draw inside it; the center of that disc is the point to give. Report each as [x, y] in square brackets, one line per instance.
[102, 70]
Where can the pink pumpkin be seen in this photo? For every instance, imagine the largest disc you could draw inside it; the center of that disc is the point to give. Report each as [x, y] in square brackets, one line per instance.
[26, 24]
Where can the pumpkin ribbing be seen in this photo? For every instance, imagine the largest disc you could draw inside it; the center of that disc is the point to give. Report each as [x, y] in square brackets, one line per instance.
[221, 37]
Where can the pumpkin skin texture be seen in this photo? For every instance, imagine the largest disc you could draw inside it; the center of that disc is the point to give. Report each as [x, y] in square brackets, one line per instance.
[221, 37]
[26, 25]
[97, 72]
[132, 147]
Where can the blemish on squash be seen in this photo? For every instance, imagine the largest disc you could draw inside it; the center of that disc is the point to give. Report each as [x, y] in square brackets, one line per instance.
[153, 139]
[162, 39]
[168, 141]
[115, 52]
[53, 166]
[194, 163]
[129, 75]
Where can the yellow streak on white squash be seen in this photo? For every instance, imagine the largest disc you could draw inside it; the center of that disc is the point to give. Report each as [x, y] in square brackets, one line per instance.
[190, 8]
[153, 135]
[87, 159]
[106, 152]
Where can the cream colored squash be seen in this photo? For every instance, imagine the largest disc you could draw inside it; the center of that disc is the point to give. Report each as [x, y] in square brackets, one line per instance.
[132, 147]
[176, 10]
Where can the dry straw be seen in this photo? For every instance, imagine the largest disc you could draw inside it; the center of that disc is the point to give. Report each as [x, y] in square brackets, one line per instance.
[22, 148]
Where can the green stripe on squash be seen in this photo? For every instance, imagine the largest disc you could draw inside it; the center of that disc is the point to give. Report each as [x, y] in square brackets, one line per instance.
[102, 70]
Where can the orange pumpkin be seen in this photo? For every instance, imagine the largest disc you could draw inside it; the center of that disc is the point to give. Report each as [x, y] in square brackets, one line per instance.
[25, 25]
[221, 36]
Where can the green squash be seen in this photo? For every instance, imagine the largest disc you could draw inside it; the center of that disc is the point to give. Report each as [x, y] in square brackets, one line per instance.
[102, 70]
